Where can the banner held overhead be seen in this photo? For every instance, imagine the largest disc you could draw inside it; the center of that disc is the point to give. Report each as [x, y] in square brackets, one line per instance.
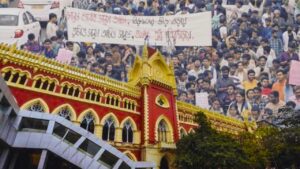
[177, 30]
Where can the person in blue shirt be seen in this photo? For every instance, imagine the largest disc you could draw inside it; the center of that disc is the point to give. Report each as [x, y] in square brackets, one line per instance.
[48, 50]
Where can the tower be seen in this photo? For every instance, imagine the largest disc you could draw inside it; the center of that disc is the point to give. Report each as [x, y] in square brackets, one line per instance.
[160, 120]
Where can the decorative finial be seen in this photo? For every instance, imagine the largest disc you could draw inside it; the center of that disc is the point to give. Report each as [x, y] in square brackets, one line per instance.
[145, 48]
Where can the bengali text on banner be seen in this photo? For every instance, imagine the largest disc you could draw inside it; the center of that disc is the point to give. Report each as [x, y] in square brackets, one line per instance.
[176, 30]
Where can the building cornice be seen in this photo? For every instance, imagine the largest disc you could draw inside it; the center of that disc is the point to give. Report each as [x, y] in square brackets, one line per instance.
[219, 121]
[9, 54]
[70, 97]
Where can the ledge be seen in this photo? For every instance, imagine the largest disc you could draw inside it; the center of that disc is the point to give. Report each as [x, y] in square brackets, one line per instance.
[164, 145]
[38, 62]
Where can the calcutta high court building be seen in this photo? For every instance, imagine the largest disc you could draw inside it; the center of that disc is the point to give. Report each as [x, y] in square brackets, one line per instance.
[141, 118]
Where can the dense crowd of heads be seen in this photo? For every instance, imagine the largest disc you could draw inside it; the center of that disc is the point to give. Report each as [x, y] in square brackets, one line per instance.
[244, 74]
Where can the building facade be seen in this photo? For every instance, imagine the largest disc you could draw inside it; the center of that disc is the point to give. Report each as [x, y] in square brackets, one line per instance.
[141, 118]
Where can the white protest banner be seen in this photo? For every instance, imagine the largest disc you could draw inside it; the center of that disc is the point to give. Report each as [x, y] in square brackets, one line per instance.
[179, 30]
[64, 56]
[294, 75]
[202, 100]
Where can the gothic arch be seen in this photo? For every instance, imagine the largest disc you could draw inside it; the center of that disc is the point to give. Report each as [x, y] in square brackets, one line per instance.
[191, 130]
[130, 155]
[92, 111]
[164, 163]
[9, 68]
[132, 122]
[26, 105]
[181, 129]
[169, 127]
[45, 77]
[73, 113]
[110, 115]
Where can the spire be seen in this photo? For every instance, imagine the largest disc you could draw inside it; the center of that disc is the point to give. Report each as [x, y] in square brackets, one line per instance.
[145, 53]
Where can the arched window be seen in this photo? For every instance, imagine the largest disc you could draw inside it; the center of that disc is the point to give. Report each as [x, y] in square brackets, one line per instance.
[65, 113]
[164, 164]
[108, 100]
[23, 79]
[112, 101]
[162, 131]
[127, 133]
[65, 89]
[182, 133]
[37, 107]
[88, 122]
[15, 78]
[98, 97]
[7, 76]
[117, 102]
[109, 130]
[52, 86]
[77, 91]
[126, 104]
[93, 97]
[71, 90]
[87, 96]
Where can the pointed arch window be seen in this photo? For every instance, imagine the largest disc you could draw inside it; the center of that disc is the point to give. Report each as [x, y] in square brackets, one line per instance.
[112, 101]
[45, 85]
[37, 107]
[65, 89]
[117, 102]
[108, 100]
[23, 79]
[98, 98]
[162, 131]
[65, 113]
[109, 130]
[126, 104]
[52, 86]
[182, 133]
[15, 78]
[88, 122]
[77, 91]
[7, 75]
[127, 132]
[88, 94]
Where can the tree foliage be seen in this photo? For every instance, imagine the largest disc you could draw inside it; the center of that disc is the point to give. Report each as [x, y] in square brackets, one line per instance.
[268, 146]
[208, 149]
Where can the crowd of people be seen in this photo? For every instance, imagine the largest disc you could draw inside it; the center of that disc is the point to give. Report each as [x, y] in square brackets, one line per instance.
[244, 74]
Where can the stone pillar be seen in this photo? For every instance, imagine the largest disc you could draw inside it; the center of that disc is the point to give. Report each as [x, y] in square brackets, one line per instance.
[77, 123]
[13, 160]
[98, 131]
[3, 157]
[43, 160]
[136, 137]
[118, 135]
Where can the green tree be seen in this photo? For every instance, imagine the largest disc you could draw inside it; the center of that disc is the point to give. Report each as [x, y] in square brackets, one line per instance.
[209, 149]
[271, 146]
[289, 154]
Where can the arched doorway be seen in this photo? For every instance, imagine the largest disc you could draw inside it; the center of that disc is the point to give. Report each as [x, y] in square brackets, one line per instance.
[164, 164]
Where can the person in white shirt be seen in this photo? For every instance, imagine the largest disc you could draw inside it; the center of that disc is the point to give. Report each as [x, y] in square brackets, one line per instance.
[196, 70]
[51, 26]
[288, 36]
[261, 51]
[206, 65]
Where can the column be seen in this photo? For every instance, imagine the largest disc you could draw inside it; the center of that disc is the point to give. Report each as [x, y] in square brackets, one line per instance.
[98, 131]
[136, 137]
[3, 157]
[118, 135]
[43, 160]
